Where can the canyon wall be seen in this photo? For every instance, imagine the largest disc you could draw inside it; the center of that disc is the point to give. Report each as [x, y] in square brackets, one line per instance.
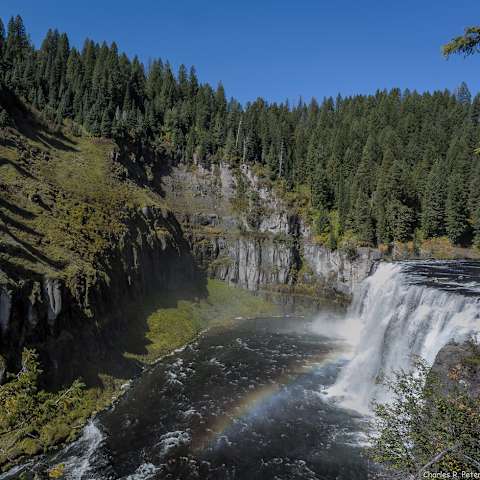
[222, 222]
[258, 241]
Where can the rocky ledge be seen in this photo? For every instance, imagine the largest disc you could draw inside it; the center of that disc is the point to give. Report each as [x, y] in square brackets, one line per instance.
[459, 364]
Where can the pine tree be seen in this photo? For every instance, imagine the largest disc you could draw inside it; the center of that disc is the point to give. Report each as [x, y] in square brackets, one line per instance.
[401, 219]
[363, 224]
[433, 203]
[16, 43]
[463, 94]
[2, 44]
[475, 109]
[474, 201]
[382, 196]
[343, 205]
[321, 189]
[106, 124]
[400, 213]
[455, 209]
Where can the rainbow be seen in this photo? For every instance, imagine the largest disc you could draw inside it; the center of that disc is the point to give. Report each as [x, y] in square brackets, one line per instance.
[253, 401]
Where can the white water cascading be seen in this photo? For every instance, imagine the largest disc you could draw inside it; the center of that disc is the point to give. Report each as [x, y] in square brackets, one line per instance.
[392, 320]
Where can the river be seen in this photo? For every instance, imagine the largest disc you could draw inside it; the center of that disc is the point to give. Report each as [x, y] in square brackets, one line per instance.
[278, 398]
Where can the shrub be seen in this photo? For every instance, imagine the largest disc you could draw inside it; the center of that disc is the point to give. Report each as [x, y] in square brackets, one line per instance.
[426, 427]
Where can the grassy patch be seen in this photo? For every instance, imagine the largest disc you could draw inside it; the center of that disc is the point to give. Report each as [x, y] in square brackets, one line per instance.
[442, 249]
[171, 327]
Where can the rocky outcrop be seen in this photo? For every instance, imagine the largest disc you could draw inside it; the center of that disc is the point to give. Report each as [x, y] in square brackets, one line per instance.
[341, 270]
[459, 364]
[246, 261]
[53, 295]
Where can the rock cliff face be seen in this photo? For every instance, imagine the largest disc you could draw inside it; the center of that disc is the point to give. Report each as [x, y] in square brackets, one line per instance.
[264, 244]
[51, 314]
[343, 271]
[247, 261]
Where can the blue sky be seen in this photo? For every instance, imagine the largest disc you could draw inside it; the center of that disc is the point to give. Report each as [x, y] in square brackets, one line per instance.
[277, 49]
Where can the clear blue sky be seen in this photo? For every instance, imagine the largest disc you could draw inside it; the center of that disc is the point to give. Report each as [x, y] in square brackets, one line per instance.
[277, 49]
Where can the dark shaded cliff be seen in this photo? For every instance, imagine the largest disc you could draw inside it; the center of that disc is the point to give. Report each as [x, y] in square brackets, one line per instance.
[80, 241]
[73, 320]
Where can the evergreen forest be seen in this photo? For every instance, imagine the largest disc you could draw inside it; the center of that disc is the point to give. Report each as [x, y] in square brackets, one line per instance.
[393, 166]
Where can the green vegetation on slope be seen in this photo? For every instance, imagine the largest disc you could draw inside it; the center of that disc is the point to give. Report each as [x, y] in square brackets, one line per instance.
[31, 418]
[172, 327]
[62, 201]
[432, 423]
[63, 204]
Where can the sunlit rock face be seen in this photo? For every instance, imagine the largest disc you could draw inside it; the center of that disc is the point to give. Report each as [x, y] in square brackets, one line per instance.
[264, 243]
[252, 263]
[340, 269]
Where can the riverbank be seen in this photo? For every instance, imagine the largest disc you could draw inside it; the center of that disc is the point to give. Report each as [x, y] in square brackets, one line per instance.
[157, 327]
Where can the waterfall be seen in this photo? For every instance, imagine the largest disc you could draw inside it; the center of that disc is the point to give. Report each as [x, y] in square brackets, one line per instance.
[391, 320]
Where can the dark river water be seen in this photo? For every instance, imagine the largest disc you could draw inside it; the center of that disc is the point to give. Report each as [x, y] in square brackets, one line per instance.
[239, 403]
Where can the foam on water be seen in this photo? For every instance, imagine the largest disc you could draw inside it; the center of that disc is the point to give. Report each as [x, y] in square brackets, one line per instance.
[145, 471]
[78, 466]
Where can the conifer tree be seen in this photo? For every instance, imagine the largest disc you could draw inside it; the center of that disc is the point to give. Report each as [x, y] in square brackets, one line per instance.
[433, 212]
[382, 198]
[463, 94]
[363, 224]
[455, 209]
[2, 43]
[106, 124]
[321, 189]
